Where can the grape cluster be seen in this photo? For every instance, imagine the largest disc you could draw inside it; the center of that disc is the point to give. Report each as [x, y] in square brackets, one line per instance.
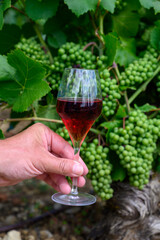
[102, 63]
[63, 132]
[119, 5]
[73, 55]
[99, 169]
[139, 70]
[135, 145]
[33, 50]
[110, 93]
[70, 55]
[158, 83]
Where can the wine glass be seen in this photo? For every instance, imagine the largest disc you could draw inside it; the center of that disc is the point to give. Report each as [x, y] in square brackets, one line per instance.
[79, 103]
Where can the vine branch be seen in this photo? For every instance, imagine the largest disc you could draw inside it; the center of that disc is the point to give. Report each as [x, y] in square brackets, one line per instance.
[143, 86]
[30, 119]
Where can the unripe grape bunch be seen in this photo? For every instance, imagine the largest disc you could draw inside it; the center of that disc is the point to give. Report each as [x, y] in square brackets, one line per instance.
[135, 145]
[96, 158]
[34, 50]
[110, 93]
[139, 70]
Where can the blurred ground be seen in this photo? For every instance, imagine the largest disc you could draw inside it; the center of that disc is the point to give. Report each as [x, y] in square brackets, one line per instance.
[25, 203]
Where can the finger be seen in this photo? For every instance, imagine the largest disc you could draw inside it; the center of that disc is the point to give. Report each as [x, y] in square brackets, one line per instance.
[84, 166]
[81, 181]
[58, 182]
[63, 166]
[62, 148]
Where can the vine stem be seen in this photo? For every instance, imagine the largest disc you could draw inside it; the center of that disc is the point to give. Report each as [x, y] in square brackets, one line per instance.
[30, 119]
[96, 131]
[127, 101]
[143, 86]
[39, 35]
[45, 120]
[101, 30]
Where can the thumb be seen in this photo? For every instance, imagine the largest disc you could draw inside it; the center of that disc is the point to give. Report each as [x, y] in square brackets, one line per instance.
[62, 166]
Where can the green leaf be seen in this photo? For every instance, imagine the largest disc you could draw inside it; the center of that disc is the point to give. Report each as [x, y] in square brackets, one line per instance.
[145, 108]
[6, 71]
[155, 38]
[57, 39]
[111, 124]
[156, 6]
[41, 9]
[126, 51]
[108, 5]
[118, 172]
[4, 4]
[121, 112]
[22, 81]
[151, 3]
[132, 5]
[1, 134]
[12, 33]
[48, 112]
[81, 7]
[111, 41]
[146, 3]
[157, 23]
[126, 23]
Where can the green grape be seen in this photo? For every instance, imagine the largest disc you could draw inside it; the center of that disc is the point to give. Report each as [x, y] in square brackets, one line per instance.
[63, 132]
[120, 5]
[96, 158]
[136, 150]
[140, 70]
[110, 93]
[33, 50]
[158, 83]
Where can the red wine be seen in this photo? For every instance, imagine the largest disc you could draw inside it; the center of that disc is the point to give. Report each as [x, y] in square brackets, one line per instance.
[78, 116]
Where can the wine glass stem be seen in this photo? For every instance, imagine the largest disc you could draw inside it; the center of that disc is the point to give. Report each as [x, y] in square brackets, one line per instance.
[74, 189]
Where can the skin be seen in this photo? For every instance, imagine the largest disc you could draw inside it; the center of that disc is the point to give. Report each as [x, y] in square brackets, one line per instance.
[38, 152]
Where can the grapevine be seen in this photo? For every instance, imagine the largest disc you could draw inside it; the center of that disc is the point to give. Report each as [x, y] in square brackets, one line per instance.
[125, 34]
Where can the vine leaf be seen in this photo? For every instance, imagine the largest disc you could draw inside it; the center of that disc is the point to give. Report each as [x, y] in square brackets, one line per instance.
[151, 3]
[145, 108]
[1, 134]
[12, 33]
[118, 172]
[50, 112]
[57, 39]
[126, 51]
[111, 41]
[155, 38]
[81, 7]
[126, 23]
[41, 9]
[108, 5]
[6, 71]
[110, 126]
[21, 82]
[121, 112]
[4, 4]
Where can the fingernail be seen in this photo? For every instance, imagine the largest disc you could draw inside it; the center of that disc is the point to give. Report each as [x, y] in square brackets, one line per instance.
[77, 169]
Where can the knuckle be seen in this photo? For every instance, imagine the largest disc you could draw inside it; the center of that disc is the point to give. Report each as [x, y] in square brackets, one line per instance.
[62, 166]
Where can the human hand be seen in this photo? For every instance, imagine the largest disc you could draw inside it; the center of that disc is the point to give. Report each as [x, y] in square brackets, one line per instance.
[41, 153]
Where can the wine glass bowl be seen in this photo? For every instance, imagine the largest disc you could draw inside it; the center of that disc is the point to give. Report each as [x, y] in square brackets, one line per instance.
[79, 103]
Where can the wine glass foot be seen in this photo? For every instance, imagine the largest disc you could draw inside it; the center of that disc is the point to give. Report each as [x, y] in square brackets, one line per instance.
[81, 199]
